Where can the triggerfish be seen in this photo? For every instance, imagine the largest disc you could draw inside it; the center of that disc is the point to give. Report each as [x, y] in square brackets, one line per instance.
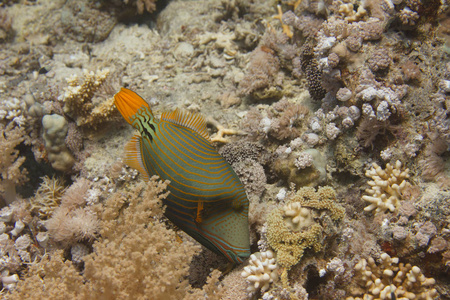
[206, 200]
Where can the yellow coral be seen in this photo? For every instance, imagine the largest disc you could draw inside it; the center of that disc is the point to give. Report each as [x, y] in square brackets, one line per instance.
[386, 187]
[281, 228]
[78, 99]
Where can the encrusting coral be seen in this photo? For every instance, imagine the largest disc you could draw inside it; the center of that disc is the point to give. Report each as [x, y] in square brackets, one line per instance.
[386, 187]
[390, 280]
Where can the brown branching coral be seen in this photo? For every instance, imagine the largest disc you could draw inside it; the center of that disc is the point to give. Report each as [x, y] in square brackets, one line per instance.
[143, 5]
[370, 129]
[73, 221]
[48, 196]
[11, 171]
[78, 99]
[137, 256]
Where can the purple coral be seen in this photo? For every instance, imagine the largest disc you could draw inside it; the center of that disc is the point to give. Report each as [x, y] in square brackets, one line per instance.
[379, 60]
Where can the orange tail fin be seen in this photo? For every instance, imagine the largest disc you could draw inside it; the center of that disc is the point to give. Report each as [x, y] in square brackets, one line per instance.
[128, 103]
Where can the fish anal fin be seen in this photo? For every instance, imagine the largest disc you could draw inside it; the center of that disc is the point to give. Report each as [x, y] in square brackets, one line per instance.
[193, 121]
[133, 156]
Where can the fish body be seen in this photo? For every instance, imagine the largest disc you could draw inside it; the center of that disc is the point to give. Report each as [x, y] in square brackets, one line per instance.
[206, 200]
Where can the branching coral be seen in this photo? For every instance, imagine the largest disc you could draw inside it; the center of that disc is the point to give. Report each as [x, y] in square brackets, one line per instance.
[297, 217]
[143, 5]
[386, 187]
[130, 261]
[390, 280]
[281, 235]
[261, 271]
[11, 171]
[48, 196]
[78, 99]
[73, 221]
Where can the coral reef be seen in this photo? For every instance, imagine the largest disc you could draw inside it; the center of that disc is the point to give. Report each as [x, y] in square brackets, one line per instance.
[306, 100]
[127, 248]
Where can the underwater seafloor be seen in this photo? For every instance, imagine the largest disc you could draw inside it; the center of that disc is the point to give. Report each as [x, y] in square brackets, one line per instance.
[334, 114]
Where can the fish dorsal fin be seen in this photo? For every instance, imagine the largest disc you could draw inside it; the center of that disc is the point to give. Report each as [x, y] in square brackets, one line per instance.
[133, 156]
[195, 122]
[128, 103]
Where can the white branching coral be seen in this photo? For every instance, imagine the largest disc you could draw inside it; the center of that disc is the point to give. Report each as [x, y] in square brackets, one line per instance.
[391, 280]
[386, 187]
[261, 271]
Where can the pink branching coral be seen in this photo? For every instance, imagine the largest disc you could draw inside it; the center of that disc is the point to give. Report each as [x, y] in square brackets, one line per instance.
[72, 221]
[263, 77]
[261, 72]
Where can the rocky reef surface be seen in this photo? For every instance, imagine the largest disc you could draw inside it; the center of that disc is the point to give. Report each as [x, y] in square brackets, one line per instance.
[333, 113]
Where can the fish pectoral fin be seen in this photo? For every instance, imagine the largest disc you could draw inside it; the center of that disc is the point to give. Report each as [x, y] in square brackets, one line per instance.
[133, 157]
[237, 205]
[199, 219]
